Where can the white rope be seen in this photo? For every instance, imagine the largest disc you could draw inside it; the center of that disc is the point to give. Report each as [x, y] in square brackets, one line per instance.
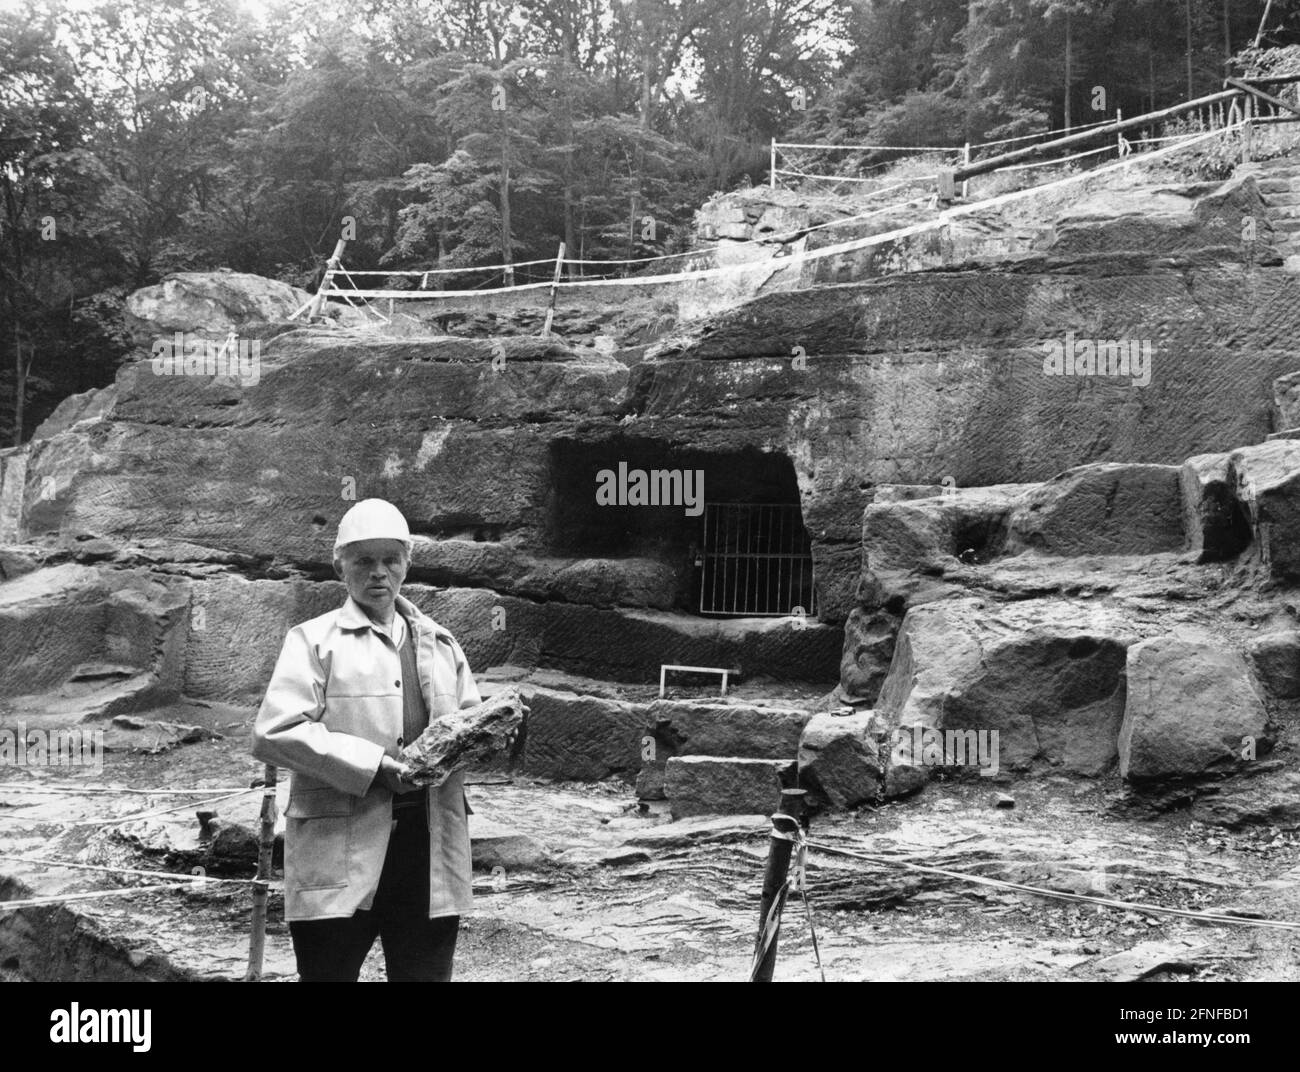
[94, 790]
[449, 271]
[125, 819]
[1064, 133]
[48, 862]
[40, 902]
[1059, 160]
[877, 148]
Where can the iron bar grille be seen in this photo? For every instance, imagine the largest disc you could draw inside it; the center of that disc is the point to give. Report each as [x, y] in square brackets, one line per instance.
[757, 560]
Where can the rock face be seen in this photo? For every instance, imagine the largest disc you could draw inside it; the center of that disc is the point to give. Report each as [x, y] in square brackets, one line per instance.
[1191, 709]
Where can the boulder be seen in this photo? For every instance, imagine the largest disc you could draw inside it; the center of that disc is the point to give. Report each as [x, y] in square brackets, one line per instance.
[1047, 675]
[840, 759]
[1214, 525]
[1275, 658]
[714, 785]
[1191, 710]
[209, 303]
[1104, 509]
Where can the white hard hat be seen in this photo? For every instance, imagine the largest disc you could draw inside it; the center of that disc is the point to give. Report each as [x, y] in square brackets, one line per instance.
[372, 519]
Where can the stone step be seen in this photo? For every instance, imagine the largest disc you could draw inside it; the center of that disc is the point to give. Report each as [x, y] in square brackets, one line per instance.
[1283, 200]
[725, 785]
[703, 728]
[1286, 225]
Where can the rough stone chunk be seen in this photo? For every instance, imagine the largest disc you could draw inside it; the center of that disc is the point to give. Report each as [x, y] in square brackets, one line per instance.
[840, 760]
[1276, 659]
[470, 737]
[714, 785]
[1104, 509]
[1190, 709]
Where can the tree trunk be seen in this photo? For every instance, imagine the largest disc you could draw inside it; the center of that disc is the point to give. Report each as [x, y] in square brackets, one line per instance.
[506, 258]
[1227, 37]
[20, 387]
[1187, 10]
[1068, 58]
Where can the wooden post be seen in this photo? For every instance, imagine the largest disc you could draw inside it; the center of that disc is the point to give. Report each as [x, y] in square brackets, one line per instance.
[772, 172]
[261, 888]
[965, 161]
[947, 185]
[555, 282]
[779, 849]
[331, 266]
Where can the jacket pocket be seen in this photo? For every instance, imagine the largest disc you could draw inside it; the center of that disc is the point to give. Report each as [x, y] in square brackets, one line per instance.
[319, 803]
[318, 831]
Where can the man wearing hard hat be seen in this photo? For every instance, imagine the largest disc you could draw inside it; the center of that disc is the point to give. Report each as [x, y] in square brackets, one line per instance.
[366, 853]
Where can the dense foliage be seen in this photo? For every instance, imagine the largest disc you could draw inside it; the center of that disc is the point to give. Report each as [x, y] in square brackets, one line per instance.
[144, 137]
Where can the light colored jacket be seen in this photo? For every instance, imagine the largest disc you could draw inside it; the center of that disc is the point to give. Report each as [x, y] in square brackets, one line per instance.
[333, 709]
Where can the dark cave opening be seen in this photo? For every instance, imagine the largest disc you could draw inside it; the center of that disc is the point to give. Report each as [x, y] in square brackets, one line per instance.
[727, 522]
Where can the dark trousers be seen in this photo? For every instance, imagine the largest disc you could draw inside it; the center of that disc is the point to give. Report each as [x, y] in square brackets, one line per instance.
[416, 949]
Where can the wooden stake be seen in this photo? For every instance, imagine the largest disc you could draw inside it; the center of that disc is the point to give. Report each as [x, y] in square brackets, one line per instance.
[555, 282]
[261, 888]
[331, 266]
[779, 849]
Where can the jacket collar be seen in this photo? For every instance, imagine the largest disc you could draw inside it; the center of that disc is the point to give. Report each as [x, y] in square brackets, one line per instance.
[352, 616]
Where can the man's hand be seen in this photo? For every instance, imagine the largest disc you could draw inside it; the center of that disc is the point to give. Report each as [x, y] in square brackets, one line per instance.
[394, 776]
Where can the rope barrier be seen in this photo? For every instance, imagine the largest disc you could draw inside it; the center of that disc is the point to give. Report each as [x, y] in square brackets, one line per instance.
[1039, 891]
[106, 790]
[45, 861]
[1061, 160]
[124, 819]
[40, 902]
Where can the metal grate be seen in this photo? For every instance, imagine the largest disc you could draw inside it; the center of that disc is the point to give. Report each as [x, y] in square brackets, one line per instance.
[757, 560]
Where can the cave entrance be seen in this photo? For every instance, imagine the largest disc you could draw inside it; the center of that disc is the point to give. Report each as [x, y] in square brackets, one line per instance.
[756, 560]
[740, 550]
